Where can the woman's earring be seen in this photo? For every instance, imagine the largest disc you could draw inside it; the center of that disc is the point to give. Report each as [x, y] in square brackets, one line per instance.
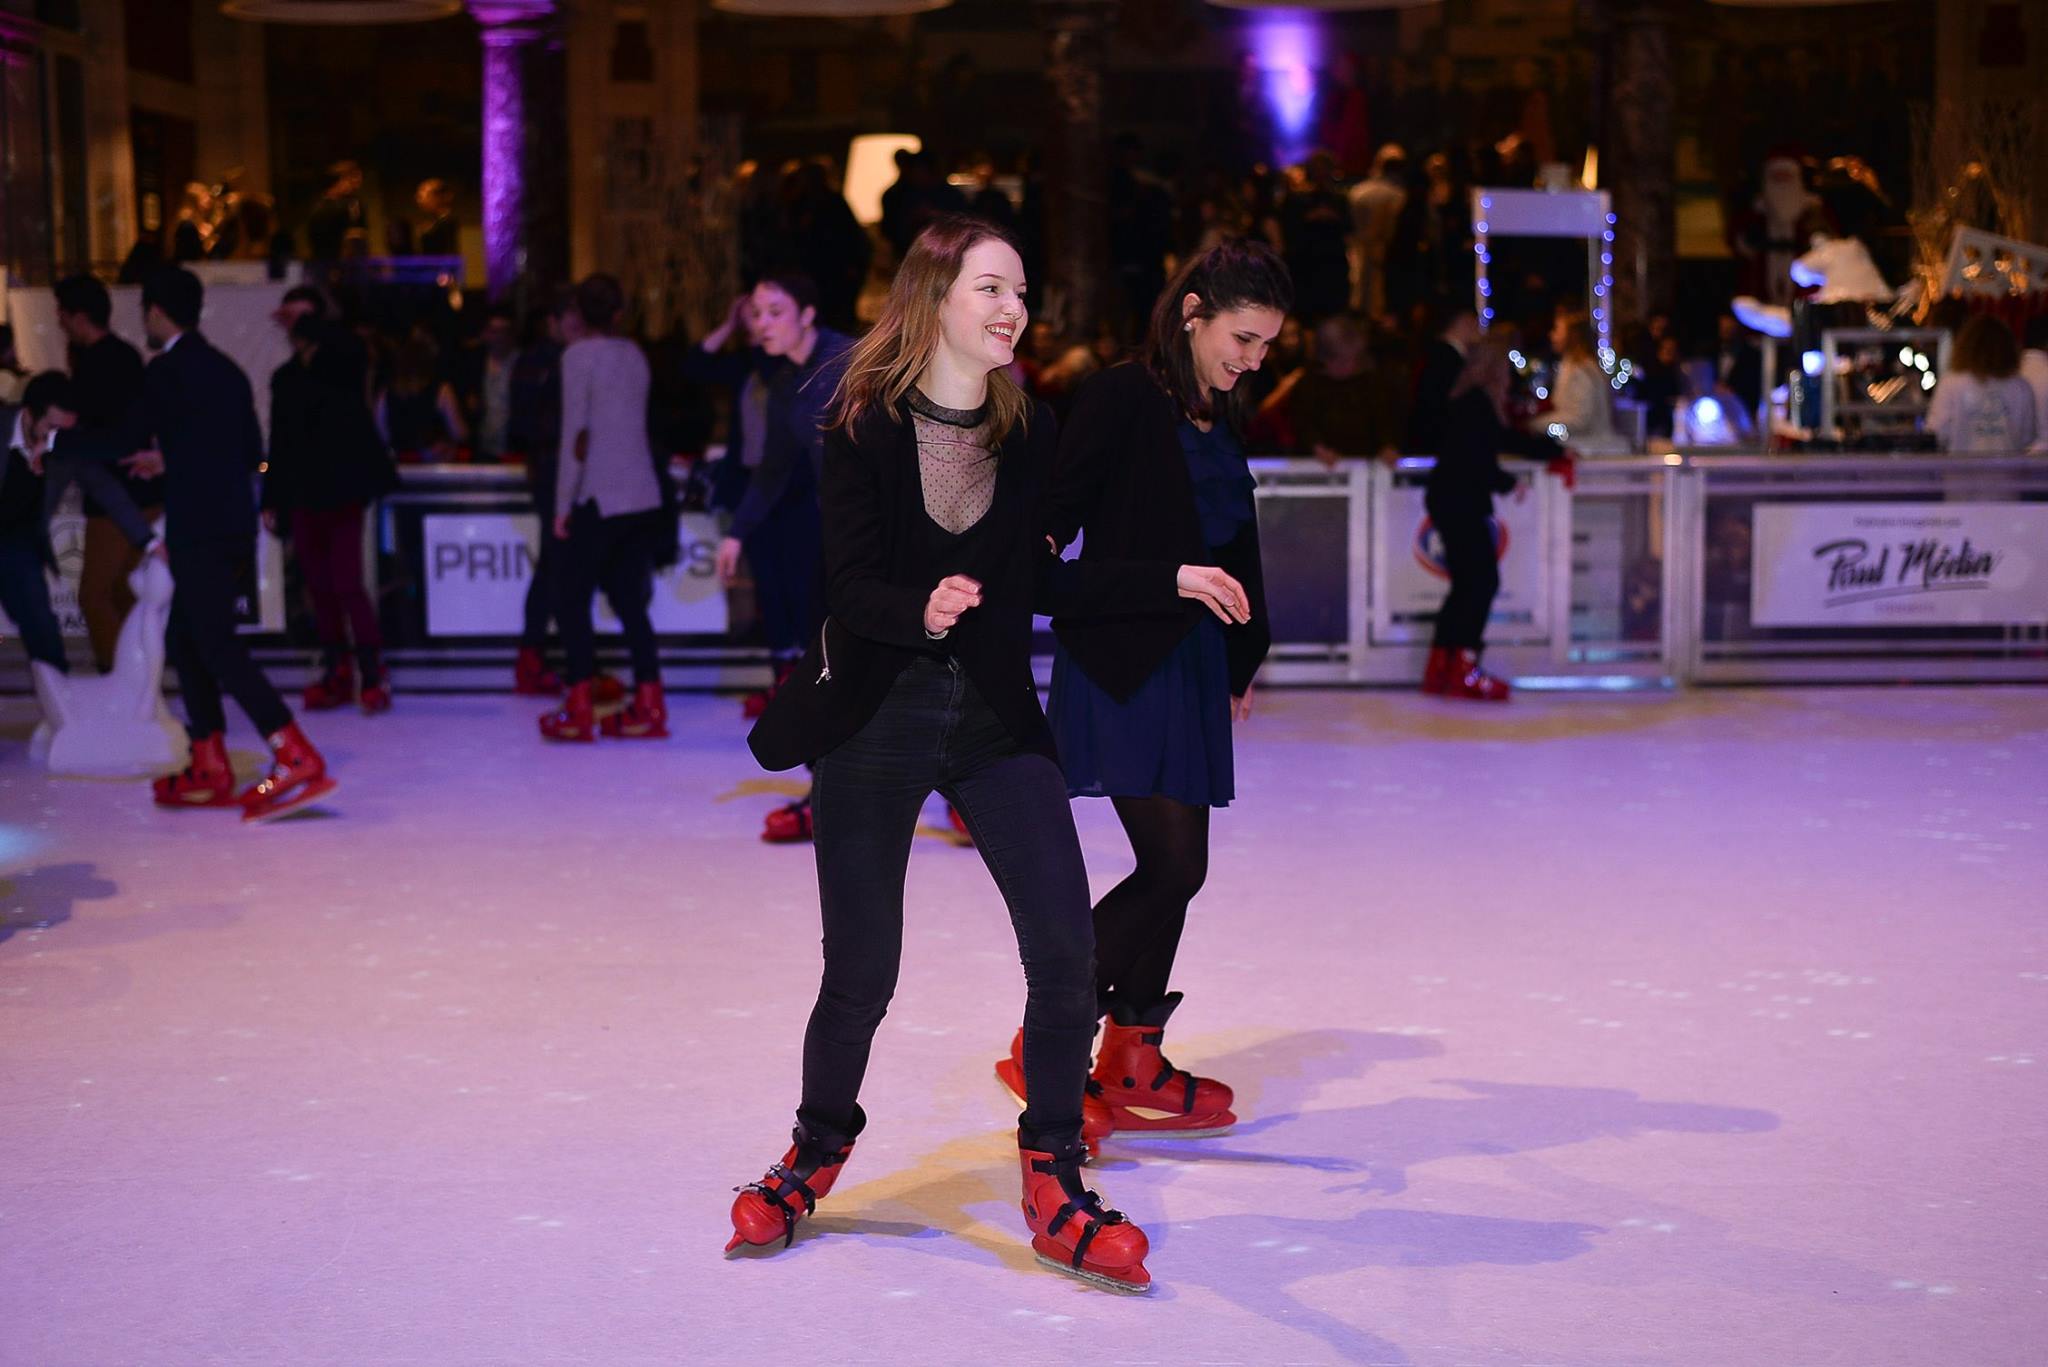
[1188, 326]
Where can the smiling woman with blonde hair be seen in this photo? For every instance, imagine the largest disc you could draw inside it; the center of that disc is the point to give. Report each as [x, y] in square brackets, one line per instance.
[920, 680]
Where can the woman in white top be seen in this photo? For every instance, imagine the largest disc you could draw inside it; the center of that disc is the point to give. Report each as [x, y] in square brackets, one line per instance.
[2034, 370]
[608, 511]
[1981, 405]
[1580, 393]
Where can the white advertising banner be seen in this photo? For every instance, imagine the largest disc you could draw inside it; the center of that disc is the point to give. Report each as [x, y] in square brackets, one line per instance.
[1410, 580]
[479, 564]
[1899, 564]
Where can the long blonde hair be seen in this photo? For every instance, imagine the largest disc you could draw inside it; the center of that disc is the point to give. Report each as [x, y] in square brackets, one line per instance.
[883, 366]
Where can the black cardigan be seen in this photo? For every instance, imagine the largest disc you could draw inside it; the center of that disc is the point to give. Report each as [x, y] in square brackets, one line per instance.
[1467, 473]
[1122, 479]
[878, 580]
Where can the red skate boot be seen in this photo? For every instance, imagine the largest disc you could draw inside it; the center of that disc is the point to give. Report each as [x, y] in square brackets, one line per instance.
[1147, 1094]
[531, 676]
[1097, 1124]
[767, 1210]
[755, 703]
[1468, 680]
[644, 718]
[789, 825]
[297, 778]
[335, 688]
[574, 720]
[1436, 675]
[605, 690]
[1072, 1231]
[208, 781]
[959, 824]
[376, 692]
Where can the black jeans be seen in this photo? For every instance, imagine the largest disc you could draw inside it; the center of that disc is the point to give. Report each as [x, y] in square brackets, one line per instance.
[1466, 530]
[202, 643]
[25, 598]
[785, 553]
[541, 590]
[615, 554]
[934, 731]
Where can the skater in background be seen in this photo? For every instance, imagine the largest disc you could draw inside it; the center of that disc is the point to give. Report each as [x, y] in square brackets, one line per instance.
[1476, 432]
[1151, 467]
[920, 679]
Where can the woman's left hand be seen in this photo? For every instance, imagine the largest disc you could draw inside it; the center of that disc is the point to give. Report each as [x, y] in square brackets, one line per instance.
[561, 526]
[728, 560]
[1241, 705]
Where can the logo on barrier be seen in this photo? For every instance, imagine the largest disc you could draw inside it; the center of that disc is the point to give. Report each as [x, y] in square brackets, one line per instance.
[1429, 547]
[1921, 564]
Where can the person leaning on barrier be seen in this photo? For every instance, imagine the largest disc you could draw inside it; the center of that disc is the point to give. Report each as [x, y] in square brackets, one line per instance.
[1981, 405]
[32, 480]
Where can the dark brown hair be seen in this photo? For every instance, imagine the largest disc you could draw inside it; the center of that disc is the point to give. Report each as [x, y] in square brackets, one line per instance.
[1236, 273]
[1984, 347]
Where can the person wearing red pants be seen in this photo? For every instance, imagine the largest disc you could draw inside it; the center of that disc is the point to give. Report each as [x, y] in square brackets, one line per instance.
[198, 407]
[328, 465]
[920, 679]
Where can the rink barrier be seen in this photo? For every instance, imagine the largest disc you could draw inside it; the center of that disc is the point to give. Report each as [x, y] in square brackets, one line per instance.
[1652, 572]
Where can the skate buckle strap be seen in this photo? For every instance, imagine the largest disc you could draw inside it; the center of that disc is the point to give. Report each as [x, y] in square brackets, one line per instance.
[785, 1183]
[1168, 1073]
[1080, 1201]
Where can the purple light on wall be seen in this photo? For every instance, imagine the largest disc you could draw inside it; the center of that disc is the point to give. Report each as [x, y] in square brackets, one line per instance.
[504, 177]
[1288, 50]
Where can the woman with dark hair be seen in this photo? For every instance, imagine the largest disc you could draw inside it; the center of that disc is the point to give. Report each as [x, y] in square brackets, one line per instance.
[1151, 468]
[920, 679]
[608, 515]
[1459, 497]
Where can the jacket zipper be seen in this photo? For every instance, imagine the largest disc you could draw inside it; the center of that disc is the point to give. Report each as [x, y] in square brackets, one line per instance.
[825, 651]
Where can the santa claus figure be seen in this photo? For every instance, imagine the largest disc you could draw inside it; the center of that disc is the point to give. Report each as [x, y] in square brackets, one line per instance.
[1778, 228]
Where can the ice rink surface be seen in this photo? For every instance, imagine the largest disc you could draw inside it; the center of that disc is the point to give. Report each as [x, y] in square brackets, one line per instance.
[1605, 1030]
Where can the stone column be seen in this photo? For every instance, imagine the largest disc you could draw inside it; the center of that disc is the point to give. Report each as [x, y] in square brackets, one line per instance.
[24, 167]
[1077, 172]
[524, 172]
[1640, 167]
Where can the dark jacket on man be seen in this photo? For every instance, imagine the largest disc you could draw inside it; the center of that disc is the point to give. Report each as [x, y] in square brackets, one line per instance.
[106, 378]
[325, 450]
[1121, 475]
[199, 407]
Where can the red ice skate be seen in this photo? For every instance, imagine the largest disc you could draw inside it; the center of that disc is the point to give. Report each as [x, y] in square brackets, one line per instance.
[297, 778]
[644, 718]
[769, 1209]
[1072, 1231]
[1436, 675]
[790, 825]
[208, 781]
[574, 720]
[1144, 1092]
[1468, 680]
[531, 676]
[1097, 1124]
[334, 688]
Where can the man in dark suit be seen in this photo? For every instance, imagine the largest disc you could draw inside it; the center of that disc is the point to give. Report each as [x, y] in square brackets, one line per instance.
[198, 407]
[34, 472]
[107, 373]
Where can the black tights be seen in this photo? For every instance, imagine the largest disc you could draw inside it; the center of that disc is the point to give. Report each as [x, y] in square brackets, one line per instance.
[1138, 922]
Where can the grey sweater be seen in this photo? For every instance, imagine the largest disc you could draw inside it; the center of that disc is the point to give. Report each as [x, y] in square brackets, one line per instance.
[604, 394]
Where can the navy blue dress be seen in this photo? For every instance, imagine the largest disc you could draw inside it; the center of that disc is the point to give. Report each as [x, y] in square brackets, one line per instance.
[1172, 738]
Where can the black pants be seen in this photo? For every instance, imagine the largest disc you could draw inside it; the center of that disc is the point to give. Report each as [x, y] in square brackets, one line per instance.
[203, 646]
[542, 592]
[25, 598]
[935, 732]
[614, 554]
[1465, 528]
[784, 553]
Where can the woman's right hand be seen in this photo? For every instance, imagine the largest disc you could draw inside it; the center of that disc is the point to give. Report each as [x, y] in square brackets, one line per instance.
[735, 318]
[1216, 591]
[955, 594]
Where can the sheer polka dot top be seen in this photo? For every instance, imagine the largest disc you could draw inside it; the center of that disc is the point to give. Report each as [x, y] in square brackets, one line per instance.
[955, 462]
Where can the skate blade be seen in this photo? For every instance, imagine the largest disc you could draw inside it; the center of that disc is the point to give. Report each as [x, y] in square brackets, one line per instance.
[1142, 1120]
[1103, 1280]
[300, 800]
